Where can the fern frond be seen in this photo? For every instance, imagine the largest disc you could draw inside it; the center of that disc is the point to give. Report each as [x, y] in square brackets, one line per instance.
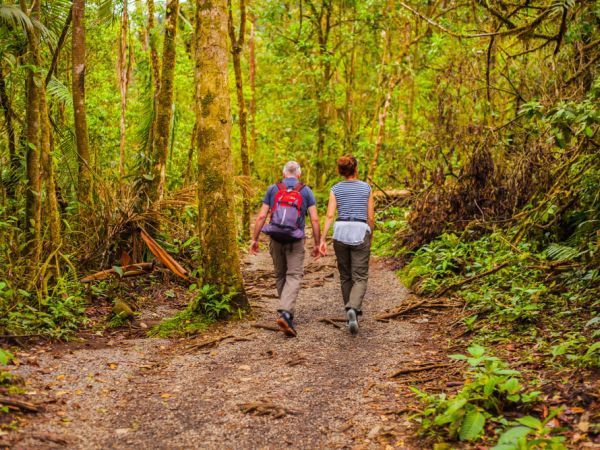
[558, 252]
[59, 92]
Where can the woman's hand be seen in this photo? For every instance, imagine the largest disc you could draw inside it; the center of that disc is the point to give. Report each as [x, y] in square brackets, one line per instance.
[323, 247]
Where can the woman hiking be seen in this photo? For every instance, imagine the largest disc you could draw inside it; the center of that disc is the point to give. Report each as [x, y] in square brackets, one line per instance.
[352, 235]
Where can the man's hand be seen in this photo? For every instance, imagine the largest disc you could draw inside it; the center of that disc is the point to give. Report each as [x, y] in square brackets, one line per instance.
[253, 250]
[315, 252]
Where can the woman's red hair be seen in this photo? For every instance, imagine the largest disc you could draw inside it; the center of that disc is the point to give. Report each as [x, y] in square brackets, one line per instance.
[346, 165]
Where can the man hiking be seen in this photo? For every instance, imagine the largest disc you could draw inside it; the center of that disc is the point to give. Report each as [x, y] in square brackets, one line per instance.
[289, 202]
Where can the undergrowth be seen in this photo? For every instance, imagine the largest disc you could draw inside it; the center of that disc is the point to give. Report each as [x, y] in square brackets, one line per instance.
[208, 305]
[490, 392]
[548, 300]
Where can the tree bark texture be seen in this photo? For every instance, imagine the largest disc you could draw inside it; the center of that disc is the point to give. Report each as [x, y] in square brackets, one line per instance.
[219, 259]
[84, 186]
[52, 212]
[164, 104]
[237, 44]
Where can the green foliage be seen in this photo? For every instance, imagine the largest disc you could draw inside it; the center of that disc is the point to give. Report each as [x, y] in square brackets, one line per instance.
[530, 434]
[208, 305]
[5, 357]
[57, 312]
[490, 388]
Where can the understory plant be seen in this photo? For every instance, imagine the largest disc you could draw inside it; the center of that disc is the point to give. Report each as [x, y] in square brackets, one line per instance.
[490, 389]
[208, 305]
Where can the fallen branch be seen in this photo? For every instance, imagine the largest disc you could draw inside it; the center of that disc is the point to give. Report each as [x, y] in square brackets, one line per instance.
[127, 271]
[265, 327]
[13, 402]
[473, 278]
[394, 314]
[422, 368]
[330, 322]
[209, 343]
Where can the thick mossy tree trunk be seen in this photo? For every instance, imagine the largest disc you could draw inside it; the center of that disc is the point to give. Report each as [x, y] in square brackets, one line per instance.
[10, 131]
[33, 198]
[84, 186]
[164, 103]
[237, 44]
[219, 260]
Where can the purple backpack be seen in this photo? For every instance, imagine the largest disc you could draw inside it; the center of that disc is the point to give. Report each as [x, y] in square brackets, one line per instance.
[285, 215]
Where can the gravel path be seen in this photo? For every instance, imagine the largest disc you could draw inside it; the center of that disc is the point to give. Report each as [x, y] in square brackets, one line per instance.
[329, 389]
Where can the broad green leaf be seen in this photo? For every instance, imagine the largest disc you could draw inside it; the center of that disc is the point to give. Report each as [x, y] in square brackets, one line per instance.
[118, 270]
[530, 422]
[509, 439]
[476, 351]
[471, 426]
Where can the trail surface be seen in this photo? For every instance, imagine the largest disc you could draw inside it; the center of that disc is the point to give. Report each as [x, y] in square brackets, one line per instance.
[255, 389]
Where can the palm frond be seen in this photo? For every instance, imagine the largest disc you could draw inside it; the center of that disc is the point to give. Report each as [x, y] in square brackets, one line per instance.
[59, 92]
[14, 17]
[559, 252]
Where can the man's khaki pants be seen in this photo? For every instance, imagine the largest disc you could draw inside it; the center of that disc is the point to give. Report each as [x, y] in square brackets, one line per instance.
[288, 260]
[353, 264]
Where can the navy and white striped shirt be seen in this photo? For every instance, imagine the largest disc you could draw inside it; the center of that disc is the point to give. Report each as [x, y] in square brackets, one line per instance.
[352, 199]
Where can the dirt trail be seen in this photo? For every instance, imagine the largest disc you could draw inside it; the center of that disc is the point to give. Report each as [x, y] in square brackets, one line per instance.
[333, 389]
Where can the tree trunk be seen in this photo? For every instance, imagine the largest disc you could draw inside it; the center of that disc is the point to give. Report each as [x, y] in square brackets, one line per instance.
[33, 199]
[10, 131]
[124, 69]
[154, 64]
[52, 209]
[381, 131]
[252, 102]
[237, 44]
[219, 258]
[164, 104]
[84, 187]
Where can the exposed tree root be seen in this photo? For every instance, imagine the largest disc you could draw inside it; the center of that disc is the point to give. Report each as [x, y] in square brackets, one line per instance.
[470, 279]
[422, 368]
[266, 409]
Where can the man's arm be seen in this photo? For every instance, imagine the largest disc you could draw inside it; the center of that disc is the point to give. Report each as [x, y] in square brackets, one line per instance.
[316, 227]
[258, 224]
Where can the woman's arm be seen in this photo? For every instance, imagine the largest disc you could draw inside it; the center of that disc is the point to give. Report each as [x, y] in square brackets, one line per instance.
[371, 212]
[329, 216]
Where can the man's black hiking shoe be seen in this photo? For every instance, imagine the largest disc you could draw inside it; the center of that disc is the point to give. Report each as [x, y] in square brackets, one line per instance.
[286, 324]
[352, 321]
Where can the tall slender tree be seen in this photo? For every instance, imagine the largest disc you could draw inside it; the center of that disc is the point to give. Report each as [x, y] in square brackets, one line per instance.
[84, 188]
[124, 68]
[33, 198]
[164, 103]
[237, 43]
[219, 259]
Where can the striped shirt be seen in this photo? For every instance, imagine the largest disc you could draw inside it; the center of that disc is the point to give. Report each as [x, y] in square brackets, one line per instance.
[352, 199]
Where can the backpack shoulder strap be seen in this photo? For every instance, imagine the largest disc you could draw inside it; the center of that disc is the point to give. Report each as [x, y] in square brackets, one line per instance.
[298, 187]
[282, 187]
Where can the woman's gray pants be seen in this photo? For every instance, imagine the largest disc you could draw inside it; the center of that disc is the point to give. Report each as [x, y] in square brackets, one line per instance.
[353, 264]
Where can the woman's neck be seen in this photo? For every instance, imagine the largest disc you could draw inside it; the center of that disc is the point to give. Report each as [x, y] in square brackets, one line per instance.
[352, 178]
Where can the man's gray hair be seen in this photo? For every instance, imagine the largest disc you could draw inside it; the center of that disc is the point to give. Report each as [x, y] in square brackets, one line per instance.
[292, 169]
